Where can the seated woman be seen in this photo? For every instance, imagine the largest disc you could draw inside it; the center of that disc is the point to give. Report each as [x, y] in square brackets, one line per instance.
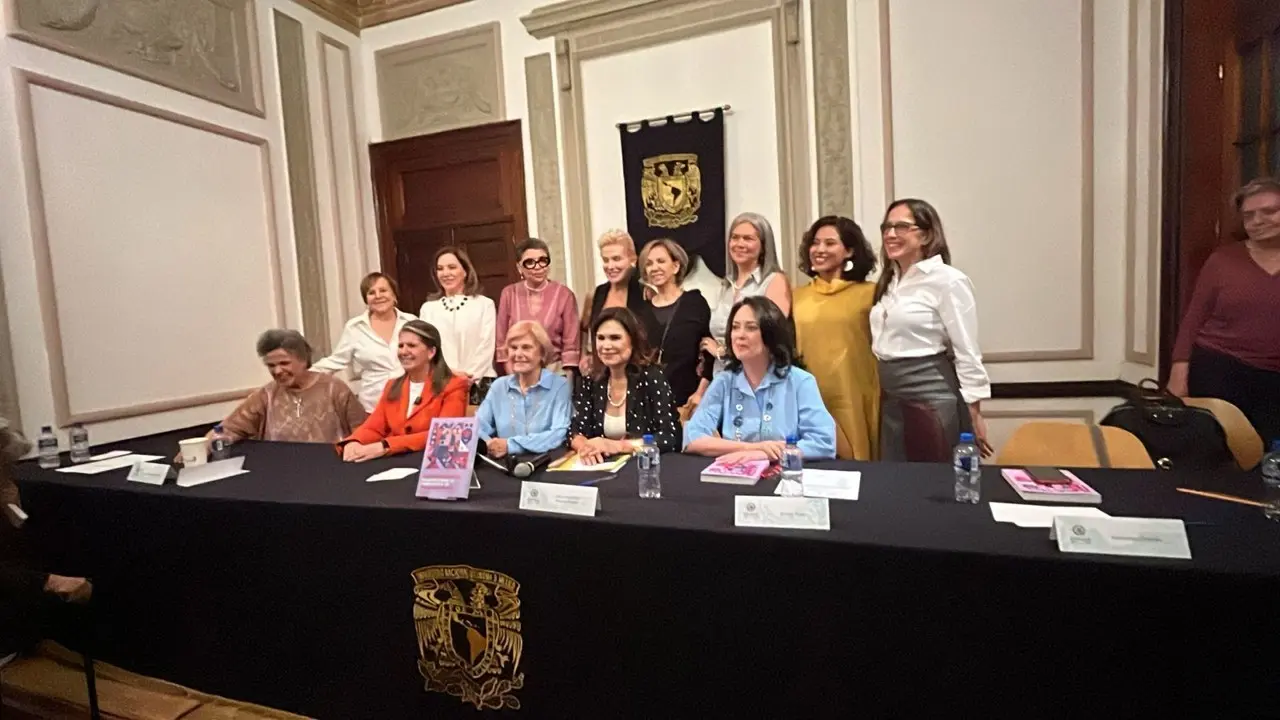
[625, 397]
[527, 411]
[763, 396]
[428, 389]
[299, 404]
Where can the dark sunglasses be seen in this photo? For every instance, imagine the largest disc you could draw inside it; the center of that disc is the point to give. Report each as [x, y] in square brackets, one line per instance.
[531, 263]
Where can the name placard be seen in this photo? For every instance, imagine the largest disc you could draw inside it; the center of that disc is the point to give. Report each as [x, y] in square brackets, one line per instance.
[783, 513]
[564, 499]
[1134, 537]
[209, 472]
[149, 473]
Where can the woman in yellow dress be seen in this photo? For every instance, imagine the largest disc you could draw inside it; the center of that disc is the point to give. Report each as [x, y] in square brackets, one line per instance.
[833, 333]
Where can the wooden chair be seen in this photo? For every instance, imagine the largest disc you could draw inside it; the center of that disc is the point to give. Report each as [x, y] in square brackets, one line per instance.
[1245, 443]
[1072, 445]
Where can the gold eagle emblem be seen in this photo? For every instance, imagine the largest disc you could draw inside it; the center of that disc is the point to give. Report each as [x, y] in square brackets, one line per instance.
[671, 190]
[469, 642]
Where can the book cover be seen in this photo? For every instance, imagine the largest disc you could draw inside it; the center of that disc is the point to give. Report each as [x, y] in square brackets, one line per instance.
[746, 473]
[449, 459]
[1077, 491]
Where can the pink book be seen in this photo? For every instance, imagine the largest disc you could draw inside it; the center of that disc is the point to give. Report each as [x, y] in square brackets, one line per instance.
[747, 473]
[448, 460]
[1031, 491]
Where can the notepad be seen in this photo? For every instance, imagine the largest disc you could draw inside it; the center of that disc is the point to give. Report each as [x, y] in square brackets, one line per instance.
[1037, 516]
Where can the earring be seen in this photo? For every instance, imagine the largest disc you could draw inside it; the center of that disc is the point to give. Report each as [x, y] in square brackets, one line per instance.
[848, 265]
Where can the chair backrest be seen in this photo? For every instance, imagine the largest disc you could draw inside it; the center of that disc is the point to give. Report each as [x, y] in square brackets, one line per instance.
[1071, 445]
[1245, 443]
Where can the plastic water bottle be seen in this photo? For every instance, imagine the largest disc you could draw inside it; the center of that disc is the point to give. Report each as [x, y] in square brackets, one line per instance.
[649, 464]
[1271, 481]
[48, 445]
[792, 469]
[219, 448]
[967, 463]
[79, 437]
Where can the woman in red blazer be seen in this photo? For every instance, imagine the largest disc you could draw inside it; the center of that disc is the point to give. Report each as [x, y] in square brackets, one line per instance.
[428, 389]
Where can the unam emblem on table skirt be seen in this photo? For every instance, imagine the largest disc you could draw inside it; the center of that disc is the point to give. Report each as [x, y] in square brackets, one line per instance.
[469, 642]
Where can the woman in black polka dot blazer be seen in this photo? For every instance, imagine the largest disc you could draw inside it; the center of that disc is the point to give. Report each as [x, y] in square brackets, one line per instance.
[625, 397]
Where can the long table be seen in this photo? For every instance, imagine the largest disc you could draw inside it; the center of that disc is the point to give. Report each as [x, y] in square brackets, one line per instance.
[293, 586]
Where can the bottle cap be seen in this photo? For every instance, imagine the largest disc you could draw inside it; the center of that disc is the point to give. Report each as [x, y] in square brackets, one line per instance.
[966, 437]
[1275, 445]
[792, 439]
[46, 428]
[648, 439]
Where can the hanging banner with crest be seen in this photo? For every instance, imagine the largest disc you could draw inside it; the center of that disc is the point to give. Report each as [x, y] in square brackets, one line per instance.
[673, 169]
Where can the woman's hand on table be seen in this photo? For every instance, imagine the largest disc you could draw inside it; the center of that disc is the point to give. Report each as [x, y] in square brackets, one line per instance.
[743, 456]
[356, 452]
[497, 447]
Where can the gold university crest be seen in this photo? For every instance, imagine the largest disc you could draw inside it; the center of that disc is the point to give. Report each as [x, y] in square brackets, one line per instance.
[671, 189]
[469, 643]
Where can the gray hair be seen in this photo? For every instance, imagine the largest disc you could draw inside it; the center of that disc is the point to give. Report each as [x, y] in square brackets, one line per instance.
[1256, 186]
[768, 249]
[291, 341]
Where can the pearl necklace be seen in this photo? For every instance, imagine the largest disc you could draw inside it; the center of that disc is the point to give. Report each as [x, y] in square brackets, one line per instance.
[454, 303]
[621, 402]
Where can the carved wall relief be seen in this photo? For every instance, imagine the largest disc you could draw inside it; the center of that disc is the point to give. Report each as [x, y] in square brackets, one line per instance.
[441, 83]
[206, 48]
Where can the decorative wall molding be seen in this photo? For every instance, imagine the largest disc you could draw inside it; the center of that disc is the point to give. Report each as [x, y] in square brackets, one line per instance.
[295, 102]
[441, 83]
[63, 415]
[545, 147]
[832, 106]
[585, 29]
[350, 300]
[207, 48]
[354, 15]
[1154, 54]
[10, 407]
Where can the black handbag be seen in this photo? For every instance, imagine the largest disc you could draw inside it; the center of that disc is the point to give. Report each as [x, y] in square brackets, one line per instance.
[1175, 435]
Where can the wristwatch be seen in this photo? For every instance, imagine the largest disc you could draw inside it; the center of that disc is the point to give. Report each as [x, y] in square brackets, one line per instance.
[386, 445]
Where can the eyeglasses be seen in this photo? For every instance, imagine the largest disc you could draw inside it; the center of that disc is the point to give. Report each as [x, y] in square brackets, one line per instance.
[898, 228]
[532, 263]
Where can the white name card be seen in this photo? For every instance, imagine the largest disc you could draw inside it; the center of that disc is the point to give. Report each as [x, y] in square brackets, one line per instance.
[580, 500]
[784, 513]
[1134, 537]
[149, 473]
[207, 473]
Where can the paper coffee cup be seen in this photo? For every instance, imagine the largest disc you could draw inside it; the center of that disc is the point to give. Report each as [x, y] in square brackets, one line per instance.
[195, 451]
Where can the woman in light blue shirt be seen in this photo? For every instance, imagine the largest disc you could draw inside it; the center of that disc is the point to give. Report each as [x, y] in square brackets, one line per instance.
[527, 411]
[763, 396]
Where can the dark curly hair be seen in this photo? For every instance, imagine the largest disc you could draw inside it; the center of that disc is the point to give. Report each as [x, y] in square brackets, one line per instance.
[851, 236]
[776, 332]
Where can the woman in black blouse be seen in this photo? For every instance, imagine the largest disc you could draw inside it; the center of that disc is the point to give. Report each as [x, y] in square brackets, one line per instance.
[621, 288]
[681, 318]
[625, 397]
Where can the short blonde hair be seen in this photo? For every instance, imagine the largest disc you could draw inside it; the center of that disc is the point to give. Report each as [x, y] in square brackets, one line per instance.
[676, 252]
[533, 329]
[617, 237]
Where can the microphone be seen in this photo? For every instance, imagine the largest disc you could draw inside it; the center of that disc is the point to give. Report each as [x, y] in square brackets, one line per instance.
[525, 468]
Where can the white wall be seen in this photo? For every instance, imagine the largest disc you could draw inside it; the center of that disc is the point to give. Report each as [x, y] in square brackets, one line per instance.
[151, 224]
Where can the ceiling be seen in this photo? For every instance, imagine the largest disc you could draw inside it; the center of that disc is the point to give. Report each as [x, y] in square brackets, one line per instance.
[358, 14]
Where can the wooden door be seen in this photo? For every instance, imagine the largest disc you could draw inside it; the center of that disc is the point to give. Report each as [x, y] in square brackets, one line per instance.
[460, 188]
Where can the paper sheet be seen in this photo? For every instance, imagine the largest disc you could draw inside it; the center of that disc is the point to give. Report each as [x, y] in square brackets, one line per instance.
[574, 464]
[833, 484]
[392, 474]
[1038, 516]
[113, 461]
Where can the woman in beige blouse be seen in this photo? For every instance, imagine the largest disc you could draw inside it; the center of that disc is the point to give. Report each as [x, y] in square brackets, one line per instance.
[299, 404]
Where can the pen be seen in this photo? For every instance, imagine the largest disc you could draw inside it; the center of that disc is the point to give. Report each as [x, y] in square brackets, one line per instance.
[610, 476]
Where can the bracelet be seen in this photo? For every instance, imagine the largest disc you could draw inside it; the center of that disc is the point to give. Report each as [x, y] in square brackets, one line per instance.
[386, 445]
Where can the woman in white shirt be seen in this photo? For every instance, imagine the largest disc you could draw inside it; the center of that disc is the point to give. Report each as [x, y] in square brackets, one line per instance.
[367, 346]
[924, 333]
[465, 318]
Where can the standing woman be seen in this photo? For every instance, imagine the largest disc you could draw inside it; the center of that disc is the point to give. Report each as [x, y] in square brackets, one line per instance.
[621, 287]
[751, 269]
[428, 389]
[924, 332]
[625, 397]
[833, 331]
[681, 318]
[464, 317]
[1229, 343]
[368, 342]
[544, 301]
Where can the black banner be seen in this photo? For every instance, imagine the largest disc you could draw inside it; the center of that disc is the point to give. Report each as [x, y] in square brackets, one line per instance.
[674, 175]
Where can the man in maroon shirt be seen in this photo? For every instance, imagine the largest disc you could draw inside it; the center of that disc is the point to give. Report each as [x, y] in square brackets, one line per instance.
[1229, 342]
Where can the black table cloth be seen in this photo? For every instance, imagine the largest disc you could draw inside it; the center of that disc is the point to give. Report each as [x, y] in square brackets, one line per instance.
[292, 586]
